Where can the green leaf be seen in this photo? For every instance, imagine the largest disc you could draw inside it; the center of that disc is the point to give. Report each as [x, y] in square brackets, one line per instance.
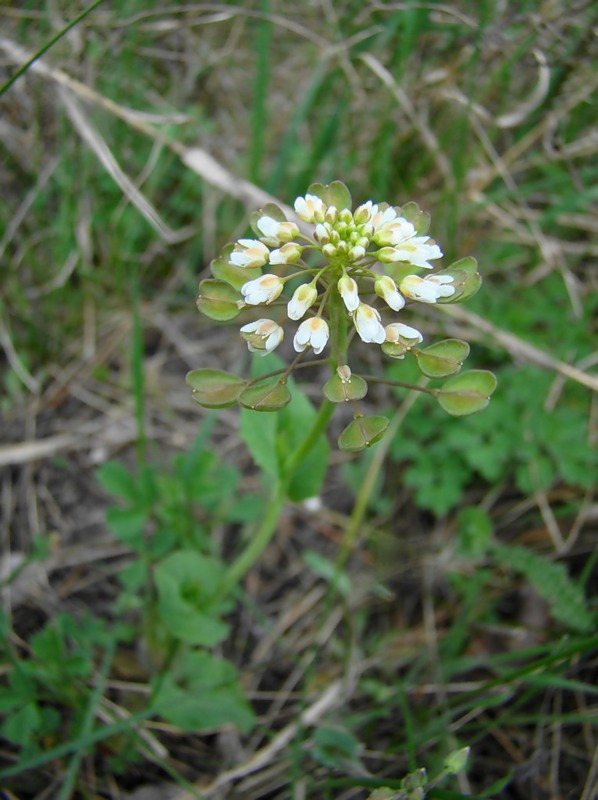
[552, 582]
[22, 726]
[418, 218]
[218, 300]
[474, 530]
[362, 432]
[466, 280]
[467, 393]
[336, 194]
[203, 692]
[335, 747]
[339, 195]
[265, 396]
[442, 358]
[339, 391]
[328, 570]
[127, 523]
[236, 276]
[294, 423]
[117, 479]
[272, 438]
[214, 388]
[186, 582]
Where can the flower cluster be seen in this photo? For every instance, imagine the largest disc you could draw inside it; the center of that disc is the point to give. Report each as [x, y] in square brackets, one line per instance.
[371, 252]
[338, 272]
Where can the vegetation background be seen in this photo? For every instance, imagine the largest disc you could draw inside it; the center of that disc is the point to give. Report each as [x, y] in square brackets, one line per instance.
[131, 151]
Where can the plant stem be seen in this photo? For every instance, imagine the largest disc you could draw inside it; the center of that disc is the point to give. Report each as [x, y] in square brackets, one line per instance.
[367, 486]
[260, 540]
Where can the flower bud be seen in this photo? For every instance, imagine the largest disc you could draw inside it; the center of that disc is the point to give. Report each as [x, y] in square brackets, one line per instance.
[303, 298]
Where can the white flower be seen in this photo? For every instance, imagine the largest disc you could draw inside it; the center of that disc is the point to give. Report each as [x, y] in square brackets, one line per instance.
[262, 290]
[427, 290]
[348, 291]
[398, 333]
[263, 335]
[249, 253]
[303, 298]
[289, 253]
[416, 251]
[322, 233]
[310, 208]
[386, 288]
[381, 217]
[364, 212]
[355, 253]
[312, 332]
[368, 325]
[394, 231]
[275, 232]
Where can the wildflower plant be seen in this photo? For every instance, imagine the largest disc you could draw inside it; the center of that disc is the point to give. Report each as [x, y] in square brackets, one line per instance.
[346, 274]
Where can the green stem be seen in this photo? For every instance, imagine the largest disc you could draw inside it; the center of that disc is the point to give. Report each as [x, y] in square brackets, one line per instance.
[260, 540]
[368, 483]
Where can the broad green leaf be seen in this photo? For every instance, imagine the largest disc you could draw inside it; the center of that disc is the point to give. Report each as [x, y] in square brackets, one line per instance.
[186, 582]
[339, 195]
[127, 523]
[442, 358]
[218, 300]
[336, 194]
[203, 692]
[467, 393]
[294, 423]
[21, 726]
[362, 432]
[339, 391]
[265, 396]
[214, 388]
[117, 479]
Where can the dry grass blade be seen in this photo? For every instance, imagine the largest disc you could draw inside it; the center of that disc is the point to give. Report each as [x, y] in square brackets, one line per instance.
[427, 135]
[196, 158]
[110, 164]
[329, 699]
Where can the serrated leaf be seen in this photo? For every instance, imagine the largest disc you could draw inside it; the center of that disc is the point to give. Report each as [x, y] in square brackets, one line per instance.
[362, 432]
[552, 582]
[442, 358]
[467, 393]
[265, 396]
[214, 388]
[339, 391]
